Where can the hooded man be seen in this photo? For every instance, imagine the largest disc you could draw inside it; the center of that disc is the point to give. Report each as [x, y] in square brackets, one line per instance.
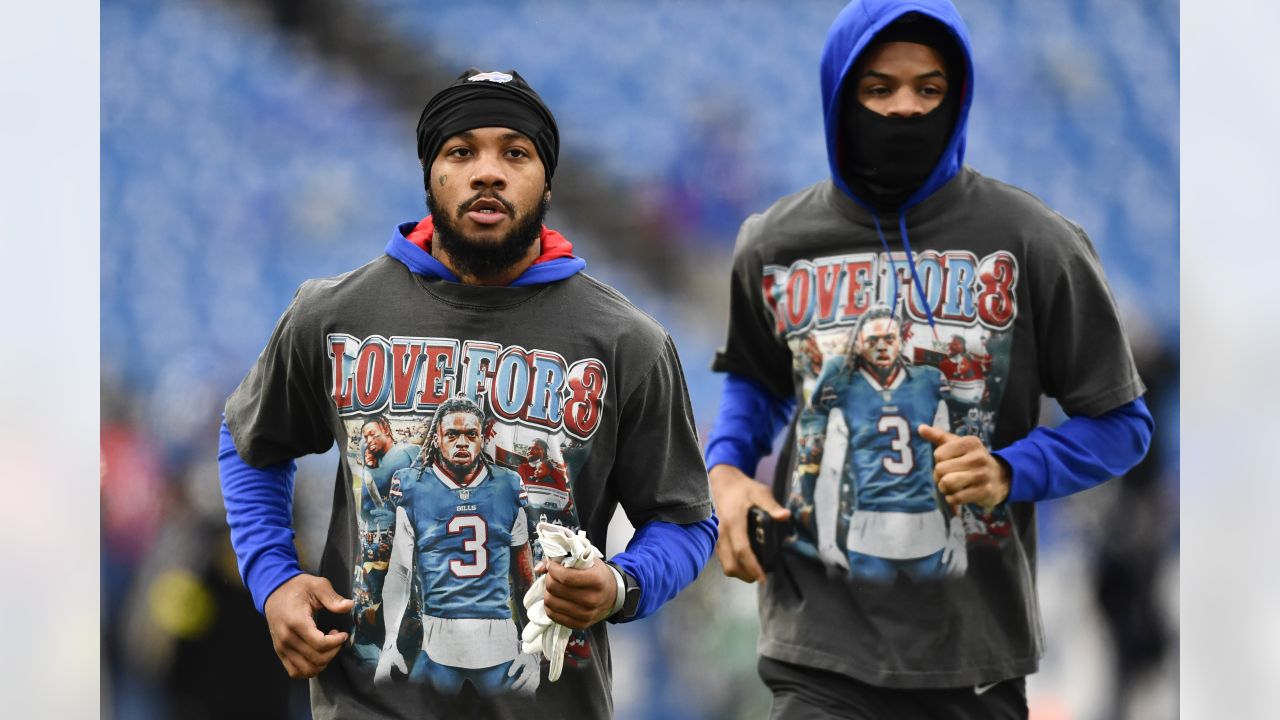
[447, 330]
[903, 223]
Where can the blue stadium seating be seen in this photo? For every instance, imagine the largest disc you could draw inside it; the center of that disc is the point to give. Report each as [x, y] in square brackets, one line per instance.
[234, 165]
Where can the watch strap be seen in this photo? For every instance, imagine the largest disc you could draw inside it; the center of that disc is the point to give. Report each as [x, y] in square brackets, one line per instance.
[628, 591]
[622, 590]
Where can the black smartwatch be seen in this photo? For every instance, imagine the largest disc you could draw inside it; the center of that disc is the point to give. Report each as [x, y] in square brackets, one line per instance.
[630, 597]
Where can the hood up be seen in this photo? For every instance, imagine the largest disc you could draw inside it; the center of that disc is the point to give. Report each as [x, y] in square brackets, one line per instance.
[849, 35]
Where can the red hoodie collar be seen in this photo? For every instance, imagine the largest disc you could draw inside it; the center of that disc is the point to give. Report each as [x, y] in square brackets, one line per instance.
[554, 245]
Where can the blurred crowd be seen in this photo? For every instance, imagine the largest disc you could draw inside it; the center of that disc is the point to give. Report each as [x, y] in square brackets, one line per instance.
[248, 145]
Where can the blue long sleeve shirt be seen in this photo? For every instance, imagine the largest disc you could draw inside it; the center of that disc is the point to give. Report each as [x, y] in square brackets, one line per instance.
[663, 557]
[1048, 463]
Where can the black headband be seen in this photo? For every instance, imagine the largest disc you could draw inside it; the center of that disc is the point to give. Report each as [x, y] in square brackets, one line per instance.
[488, 99]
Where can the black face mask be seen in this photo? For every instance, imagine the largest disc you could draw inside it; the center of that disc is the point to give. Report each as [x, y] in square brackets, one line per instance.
[885, 159]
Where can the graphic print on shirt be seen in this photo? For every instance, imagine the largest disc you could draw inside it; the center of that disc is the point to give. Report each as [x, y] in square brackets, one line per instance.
[871, 370]
[457, 450]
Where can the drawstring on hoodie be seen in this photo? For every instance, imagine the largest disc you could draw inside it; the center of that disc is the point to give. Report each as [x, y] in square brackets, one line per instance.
[911, 263]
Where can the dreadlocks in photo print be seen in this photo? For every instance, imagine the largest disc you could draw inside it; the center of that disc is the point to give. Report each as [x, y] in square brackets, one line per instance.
[449, 496]
[861, 486]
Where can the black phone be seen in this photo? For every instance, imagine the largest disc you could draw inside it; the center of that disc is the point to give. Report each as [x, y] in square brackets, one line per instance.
[764, 536]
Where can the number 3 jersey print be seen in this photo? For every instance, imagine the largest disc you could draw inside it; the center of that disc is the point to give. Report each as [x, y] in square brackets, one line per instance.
[465, 415]
[897, 587]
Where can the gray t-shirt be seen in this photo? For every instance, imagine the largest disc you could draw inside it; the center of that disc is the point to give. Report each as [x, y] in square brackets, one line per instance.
[574, 403]
[883, 581]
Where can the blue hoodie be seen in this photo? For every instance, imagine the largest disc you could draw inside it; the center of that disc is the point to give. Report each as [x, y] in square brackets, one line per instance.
[1082, 452]
[851, 32]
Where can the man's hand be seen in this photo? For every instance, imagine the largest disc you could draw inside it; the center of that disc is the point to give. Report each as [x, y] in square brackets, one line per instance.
[735, 494]
[290, 609]
[965, 471]
[578, 597]
[527, 672]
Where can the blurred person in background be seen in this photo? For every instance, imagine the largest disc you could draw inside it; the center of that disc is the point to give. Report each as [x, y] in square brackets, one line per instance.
[187, 629]
[462, 304]
[1136, 534]
[991, 263]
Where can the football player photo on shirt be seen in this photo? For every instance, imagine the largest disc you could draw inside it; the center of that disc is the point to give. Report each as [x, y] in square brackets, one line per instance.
[450, 489]
[861, 488]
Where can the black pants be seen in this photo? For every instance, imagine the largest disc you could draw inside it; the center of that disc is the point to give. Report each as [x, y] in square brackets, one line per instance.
[801, 693]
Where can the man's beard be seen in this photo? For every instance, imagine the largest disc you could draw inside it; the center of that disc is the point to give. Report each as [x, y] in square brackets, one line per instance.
[882, 373]
[479, 258]
[459, 471]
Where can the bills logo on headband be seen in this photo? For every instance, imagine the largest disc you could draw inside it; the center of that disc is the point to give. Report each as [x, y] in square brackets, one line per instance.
[498, 77]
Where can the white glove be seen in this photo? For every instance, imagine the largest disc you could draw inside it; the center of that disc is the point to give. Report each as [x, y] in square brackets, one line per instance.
[542, 634]
[525, 671]
[955, 553]
[390, 657]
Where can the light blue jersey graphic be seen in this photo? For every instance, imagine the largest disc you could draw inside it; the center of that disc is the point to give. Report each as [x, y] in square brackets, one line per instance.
[462, 536]
[877, 511]
[890, 467]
